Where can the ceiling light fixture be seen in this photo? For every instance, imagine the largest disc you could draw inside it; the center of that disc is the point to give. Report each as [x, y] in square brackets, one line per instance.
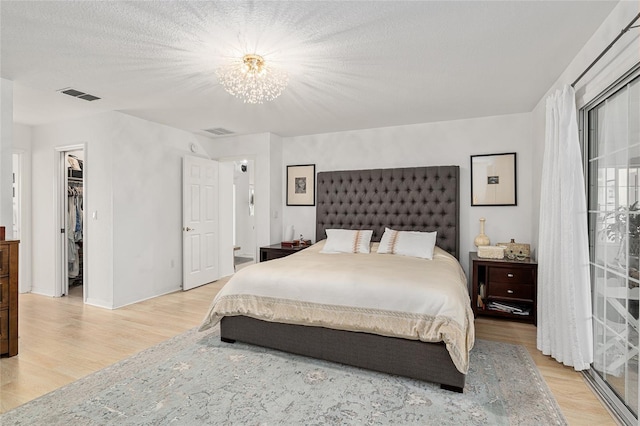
[252, 80]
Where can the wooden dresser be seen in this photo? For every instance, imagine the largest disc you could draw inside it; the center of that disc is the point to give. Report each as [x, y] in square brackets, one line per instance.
[9, 298]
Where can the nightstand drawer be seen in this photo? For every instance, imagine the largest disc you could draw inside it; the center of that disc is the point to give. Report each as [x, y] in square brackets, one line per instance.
[511, 275]
[511, 290]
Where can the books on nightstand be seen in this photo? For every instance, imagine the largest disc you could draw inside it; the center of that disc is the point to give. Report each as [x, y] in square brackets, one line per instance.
[512, 308]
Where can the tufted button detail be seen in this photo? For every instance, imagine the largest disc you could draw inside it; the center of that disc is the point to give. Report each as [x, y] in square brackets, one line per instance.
[419, 198]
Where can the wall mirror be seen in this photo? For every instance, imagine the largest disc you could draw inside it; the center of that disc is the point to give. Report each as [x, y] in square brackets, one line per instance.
[493, 180]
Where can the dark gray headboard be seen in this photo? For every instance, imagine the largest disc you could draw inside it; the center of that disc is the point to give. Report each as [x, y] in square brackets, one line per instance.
[407, 199]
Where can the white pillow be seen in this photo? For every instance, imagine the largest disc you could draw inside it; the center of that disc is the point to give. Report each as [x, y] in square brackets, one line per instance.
[408, 243]
[347, 241]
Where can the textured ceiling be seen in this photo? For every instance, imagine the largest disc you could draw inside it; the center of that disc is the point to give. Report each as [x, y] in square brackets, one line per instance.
[352, 65]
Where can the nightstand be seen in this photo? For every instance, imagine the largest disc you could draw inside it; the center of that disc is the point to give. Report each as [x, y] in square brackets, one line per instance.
[276, 251]
[504, 288]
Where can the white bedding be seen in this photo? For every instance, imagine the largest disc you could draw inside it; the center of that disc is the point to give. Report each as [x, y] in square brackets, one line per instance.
[384, 294]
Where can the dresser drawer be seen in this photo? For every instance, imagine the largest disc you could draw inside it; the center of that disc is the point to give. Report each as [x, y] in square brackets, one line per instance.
[500, 274]
[4, 292]
[4, 331]
[511, 290]
[4, 261]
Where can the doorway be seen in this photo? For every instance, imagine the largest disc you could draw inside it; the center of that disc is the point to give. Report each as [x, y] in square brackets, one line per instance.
[71, 202]
[244, 219]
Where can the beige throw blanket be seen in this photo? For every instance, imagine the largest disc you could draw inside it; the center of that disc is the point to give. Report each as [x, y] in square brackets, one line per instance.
[385, 294]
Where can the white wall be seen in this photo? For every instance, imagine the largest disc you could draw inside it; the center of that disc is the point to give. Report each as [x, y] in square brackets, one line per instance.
[277, 173]
[97, 134]
[6, 155]
[622, 56]
[147, 208]
[133, 185]
[442, 143]
[22, 145]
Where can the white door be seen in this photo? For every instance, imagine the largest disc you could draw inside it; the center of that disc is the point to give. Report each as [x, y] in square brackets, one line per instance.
[200, 221]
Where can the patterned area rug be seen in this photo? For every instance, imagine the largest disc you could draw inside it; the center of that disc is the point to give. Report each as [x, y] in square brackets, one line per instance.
[194, 379]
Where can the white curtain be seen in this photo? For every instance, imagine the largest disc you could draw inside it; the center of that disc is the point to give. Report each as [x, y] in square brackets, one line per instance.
[564, 288]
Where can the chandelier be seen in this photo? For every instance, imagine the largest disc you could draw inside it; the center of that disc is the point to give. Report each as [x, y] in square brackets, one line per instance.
[252, 80]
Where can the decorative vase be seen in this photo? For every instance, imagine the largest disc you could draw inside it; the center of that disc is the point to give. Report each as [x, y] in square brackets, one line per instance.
[481, 239]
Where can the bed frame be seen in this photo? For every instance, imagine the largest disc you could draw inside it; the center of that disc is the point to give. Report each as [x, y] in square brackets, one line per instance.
[418, 199]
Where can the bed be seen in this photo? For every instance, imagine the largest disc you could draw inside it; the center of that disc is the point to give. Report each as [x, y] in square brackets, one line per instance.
[406, 199]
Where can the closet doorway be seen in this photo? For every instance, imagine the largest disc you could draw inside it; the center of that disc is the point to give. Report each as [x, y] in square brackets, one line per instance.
[71, 218]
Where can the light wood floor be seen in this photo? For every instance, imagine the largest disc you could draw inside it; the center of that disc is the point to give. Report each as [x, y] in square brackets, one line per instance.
[62, 340]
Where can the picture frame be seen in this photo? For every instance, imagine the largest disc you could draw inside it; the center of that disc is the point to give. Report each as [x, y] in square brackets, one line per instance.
[301, 185]
[494, 180]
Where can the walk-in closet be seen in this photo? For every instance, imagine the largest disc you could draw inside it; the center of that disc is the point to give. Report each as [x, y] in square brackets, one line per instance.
[74, 222]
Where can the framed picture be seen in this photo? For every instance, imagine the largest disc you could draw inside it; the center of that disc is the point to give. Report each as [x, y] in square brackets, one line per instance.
[493, 180]
[301, 185]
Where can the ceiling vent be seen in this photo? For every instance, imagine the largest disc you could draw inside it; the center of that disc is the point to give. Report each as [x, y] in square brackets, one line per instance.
[219, 131]
[78, 94]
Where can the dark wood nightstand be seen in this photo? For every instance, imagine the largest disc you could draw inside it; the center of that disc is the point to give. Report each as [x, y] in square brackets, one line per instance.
[276, 251]
[510, 283]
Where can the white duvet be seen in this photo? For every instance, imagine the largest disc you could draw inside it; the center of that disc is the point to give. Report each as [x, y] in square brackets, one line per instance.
[384, 294]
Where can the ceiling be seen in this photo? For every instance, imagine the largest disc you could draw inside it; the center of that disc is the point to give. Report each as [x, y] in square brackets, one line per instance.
[351, 65]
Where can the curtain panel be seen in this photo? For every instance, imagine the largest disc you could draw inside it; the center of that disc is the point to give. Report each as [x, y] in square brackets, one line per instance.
[564, 288]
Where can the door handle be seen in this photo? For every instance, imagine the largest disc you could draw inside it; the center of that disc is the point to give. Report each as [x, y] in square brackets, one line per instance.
[510, 291]
[510, 275]
[188, 229]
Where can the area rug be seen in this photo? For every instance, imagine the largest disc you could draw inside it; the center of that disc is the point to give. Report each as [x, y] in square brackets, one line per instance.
[195, 379]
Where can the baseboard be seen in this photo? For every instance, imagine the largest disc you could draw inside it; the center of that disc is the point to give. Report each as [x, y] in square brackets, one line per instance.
[147, 298]
[41, 293]
[97, 303]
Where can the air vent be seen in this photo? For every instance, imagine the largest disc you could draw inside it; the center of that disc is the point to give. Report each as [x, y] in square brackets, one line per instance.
[78, 94]
[219, 131]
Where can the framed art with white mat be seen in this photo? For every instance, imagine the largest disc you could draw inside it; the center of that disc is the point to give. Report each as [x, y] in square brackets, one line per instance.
[301, 187]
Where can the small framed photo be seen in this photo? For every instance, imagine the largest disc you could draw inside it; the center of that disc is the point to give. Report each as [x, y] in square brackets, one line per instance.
[493, 180]
[301, 185]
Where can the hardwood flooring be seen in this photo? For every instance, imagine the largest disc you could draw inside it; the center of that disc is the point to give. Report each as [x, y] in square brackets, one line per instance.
[62, 340]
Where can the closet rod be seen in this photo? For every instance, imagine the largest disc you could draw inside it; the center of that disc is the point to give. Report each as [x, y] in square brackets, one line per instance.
[606, 49]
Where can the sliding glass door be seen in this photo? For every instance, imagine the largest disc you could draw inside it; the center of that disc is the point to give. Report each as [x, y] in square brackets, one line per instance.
[611, 135]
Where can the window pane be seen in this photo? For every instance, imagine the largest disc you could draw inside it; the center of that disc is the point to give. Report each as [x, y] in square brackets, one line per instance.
[616, 123]
[634, 111]
[600, 239]
[598, 281]
[614, 235]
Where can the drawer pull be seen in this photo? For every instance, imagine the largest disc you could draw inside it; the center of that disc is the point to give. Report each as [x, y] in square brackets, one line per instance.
[510, 275]
[510, 291]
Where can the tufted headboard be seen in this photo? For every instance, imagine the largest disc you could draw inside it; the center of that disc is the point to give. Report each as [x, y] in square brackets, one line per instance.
[407, 199]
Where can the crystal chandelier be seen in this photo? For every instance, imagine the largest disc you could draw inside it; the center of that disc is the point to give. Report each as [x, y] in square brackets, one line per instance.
[252, 80]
